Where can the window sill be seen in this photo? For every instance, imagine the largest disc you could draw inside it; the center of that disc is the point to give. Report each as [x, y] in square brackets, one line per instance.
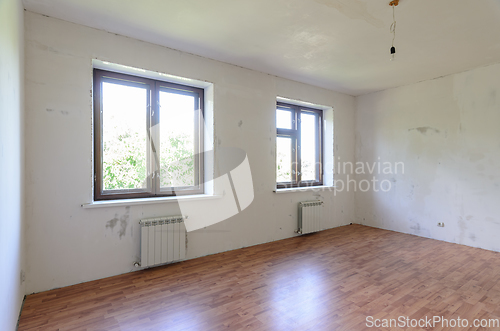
[146, 201]
[305, 189]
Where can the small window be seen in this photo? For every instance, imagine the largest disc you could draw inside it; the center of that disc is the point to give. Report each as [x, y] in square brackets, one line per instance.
[299, 146]
[148, 137]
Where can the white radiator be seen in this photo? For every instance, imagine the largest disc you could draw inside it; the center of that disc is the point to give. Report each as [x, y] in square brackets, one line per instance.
[310, 216]
[163, 240]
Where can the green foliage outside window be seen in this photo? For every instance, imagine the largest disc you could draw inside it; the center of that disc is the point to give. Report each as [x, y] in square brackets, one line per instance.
[124, 163]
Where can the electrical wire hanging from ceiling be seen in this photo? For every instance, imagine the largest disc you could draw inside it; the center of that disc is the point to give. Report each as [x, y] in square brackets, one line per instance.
[393, 3]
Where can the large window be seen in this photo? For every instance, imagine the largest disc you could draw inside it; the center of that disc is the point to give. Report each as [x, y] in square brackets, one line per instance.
[148, 137]
[299, 146]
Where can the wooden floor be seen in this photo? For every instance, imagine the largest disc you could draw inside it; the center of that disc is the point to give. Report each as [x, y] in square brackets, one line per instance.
[330, 280]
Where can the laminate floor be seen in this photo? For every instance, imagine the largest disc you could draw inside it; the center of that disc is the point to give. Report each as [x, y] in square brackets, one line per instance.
[338, 279]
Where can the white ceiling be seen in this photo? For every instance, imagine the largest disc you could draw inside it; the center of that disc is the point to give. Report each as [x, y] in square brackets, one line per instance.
[341, 45]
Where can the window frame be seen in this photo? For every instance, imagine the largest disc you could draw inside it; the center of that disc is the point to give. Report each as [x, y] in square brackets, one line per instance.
[295, 134]
[153, 188]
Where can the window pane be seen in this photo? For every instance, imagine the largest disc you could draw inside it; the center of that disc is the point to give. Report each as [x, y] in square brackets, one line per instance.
[308, 146]
[124, 111]
[284, 159]
[283, 119]
[177, 139]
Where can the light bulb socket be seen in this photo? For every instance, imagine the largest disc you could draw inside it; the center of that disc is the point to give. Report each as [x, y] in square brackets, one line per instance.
[393, 50]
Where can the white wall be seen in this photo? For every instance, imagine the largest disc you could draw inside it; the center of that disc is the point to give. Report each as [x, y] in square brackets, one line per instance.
[11, 161]
[67, 244]
[446, 131]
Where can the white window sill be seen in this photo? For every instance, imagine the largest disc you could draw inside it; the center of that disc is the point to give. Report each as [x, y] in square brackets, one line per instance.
[146, 201]
[305, 189]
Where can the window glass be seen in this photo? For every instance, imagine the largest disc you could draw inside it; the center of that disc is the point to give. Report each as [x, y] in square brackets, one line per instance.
[124, 136]
[283, 119]
[284, 159]
[177, 139]
[308, 147]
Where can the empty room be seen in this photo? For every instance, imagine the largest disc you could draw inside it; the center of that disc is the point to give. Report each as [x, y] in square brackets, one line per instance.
[250, 165]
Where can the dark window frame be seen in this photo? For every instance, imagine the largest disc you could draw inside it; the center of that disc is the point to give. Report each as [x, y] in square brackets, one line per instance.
[295, 134]
[153, 189]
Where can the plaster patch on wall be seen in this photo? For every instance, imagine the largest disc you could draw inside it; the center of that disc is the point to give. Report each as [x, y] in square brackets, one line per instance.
[415, 227]
[472, 237]
[412, 192]
[123, 222]
[463, 227]
[476, 156]
[51, 110]
[46, 48]
[492, 97]
[418, 229]
[491, 220]
[424, 129]
[317, 194]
